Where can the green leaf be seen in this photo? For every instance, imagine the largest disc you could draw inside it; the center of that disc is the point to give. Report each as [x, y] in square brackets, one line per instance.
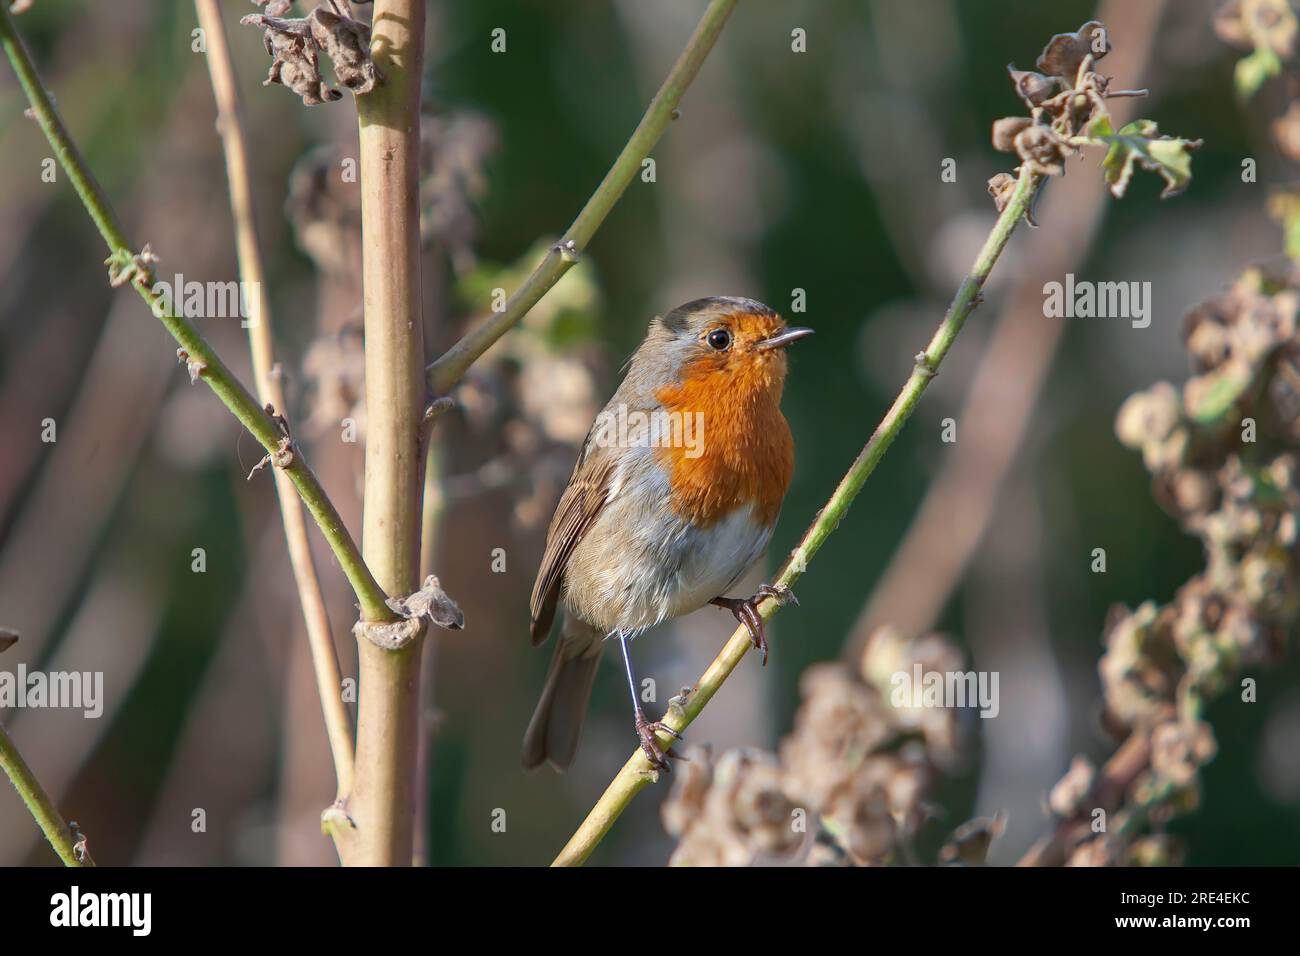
[1292, 229]
[1210, 397]
[1284, 208]
[1138, 143]
[569, 316]
[1100, 127]
[1253, 70]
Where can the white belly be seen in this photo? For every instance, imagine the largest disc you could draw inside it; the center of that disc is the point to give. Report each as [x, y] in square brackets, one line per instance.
[641, 563]
[716, 558]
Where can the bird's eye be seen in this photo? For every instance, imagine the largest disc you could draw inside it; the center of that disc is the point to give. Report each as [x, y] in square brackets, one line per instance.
[719, 340]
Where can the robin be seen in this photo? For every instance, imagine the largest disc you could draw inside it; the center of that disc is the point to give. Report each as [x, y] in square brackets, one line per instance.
[674, 497]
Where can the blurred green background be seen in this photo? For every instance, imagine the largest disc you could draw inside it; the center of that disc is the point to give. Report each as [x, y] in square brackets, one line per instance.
[817, 171]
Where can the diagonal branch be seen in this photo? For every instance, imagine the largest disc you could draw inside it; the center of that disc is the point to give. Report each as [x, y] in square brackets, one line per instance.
[451, 367]
[338, 723]
[998, 409]
[637, 772]
[60, 835]
[71, 850]
[199, 355]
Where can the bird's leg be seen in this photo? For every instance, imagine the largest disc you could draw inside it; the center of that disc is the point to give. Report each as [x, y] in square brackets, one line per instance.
[645, 728]
[746, 611]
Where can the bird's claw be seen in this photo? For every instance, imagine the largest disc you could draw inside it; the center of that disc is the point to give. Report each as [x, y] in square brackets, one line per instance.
[647, 731]
[746, 612]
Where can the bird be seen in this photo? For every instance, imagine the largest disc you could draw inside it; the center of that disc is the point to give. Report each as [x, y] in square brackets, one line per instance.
[674, 497]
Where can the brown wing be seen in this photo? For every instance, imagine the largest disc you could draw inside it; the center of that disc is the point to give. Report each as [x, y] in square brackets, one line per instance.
[578, 509]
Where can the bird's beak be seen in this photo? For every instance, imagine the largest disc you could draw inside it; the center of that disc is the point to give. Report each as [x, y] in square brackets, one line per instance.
[784, 338]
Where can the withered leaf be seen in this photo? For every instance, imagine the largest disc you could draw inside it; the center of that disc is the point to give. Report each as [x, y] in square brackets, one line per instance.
[431, 601]
[1042, 149]
[1034, 88]
[1001, 187]
[1005, 131]
[1139, 143]
[294, 60]
[1066, 51]
[347, 43]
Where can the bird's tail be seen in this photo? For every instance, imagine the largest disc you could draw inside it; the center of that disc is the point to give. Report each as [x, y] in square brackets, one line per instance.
[552, 735]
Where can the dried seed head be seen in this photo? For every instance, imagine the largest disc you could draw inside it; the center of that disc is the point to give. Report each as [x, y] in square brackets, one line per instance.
[1005, 131]
[1255, 24]
[294, 61]
[1179, 749]
[1157, 849]
[1066, 798]
[1148, 416]
[454, 150]
[1034, 88]
[325, 211]
[295, 45]
[1065, 52]
[1001, 187]
[733, 811]
[335, 365]
[430, 601]
[970, 843]
[347, 43]
[1041, 149]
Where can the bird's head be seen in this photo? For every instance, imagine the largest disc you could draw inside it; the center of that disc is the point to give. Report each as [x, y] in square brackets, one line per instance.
[725, 342]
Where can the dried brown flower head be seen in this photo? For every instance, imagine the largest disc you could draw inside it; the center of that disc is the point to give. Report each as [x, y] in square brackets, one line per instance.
[347, 43]
[1067, 797]
[854, 773]
[1066, 52]
[295, 46]
[1067, 106]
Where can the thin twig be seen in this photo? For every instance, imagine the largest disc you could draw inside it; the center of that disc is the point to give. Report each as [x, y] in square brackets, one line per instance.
[198, 353]
[637, 772]
[451, 367]
[338, 723]
[70, 849]
[114, 631]
[435, 501]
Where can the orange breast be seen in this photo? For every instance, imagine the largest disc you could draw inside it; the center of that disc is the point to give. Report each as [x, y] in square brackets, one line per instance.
[746, 453]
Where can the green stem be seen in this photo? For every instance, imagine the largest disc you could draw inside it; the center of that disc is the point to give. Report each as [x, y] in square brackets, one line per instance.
[637, 772]
[451, 367]
[261, 343]
[213, 371]
[39, 803]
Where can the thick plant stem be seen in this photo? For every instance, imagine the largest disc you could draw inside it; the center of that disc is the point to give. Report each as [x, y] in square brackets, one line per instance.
[41, 806]
[451, 367]
[637, 772]
[382, 806]
[199, 355]
[325, 662]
